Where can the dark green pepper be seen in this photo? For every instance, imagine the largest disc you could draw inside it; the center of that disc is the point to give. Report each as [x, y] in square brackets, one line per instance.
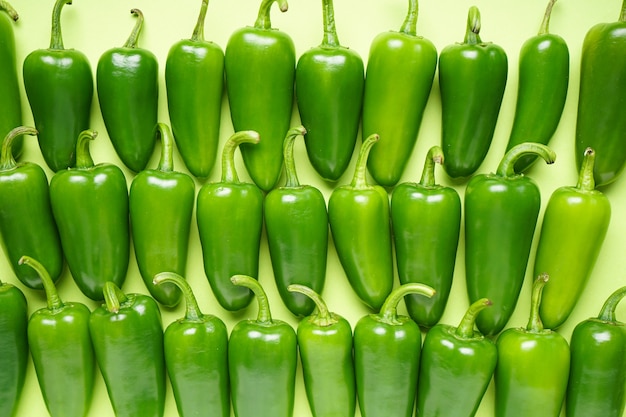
[194, 80]
[128, 93]
[501, 213]
[196, 356]
[230, 220]
[329, 93]
[359, 219]
[456, 367]
[387, 349]
[262, 359]
[472, 79]
[325, 344]
[542, 89]
[127, 336]
[161, 204]
[260, 66]
[26, 221]
[600, 122]
[426, 222]
[296, 224]
[598, 364]
[90, 206]
[59, 87]
[62, 352]
[533, 366]
[400, 72]
[13, 346]
[575, 223]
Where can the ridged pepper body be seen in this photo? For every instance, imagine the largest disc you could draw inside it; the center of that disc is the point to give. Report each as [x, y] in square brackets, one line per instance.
[11, 103]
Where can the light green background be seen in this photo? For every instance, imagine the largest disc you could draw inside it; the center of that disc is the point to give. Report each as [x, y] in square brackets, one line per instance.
[94, 26]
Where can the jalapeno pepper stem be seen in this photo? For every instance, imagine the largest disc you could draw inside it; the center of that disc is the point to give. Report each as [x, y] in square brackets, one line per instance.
[263, 20]
[389, 310]
[192, 310]
[198, 31]
[622, 15]
[164, 133]
[330, 31]
[290, 166]
[465, 329]
[131, 42]
[264, 315]
[7, 161]
[114, 297]
[607, 312]
[52, 295]
[359, 180]
[586, 180]
[544, 29]
[323, 317]
[409, 26]
[9, 10]
[507, 165]
[83, 156]
[56, 37]
[535, 325]
[229, 172]
[435, 156]
[472, 32]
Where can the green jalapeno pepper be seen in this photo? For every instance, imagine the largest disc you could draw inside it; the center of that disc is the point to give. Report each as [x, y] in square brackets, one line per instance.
[325, 344]
[501, 213]
[160, 206]
[194, 80]
[26, 221]
[543, 78]
[196, 356]
[574, 226]
[329, 93]
[457, 363]
[90, 206]
[296, 224]
[260, 66]
[230, 220]
[387, 349]
[128, 93]
[426, 222]
[598, 364]
[600, 122]
[400, 72]
[262, 358]
[127, 335]
[61, 348]
[533, 366]
[472, 79]
[59, 88]
[359, 219]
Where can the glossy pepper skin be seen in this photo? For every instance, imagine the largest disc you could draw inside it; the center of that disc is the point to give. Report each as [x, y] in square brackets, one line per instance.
[11, 103]
[598, 364]
[26, 221]
[90, 207]
[230, 220]
[359, 219]
[472, 79]
[62, 352]
[456, 363]
[13, 346]
[533, 366]
[400, 72]
[194, 80]
[574, 226]
[542, 89]
[127, 335]
[325, 344]
[128, 92]
[296, 223]
[387, 349]
[501, 211]
[160, 205]
[330, 80]
[262, 356]
[260, 66]
[600, 122]
[426, 223]
[196, 356]
[59, 87]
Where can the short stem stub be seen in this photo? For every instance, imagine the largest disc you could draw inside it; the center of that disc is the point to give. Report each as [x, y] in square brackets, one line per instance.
[114, 297]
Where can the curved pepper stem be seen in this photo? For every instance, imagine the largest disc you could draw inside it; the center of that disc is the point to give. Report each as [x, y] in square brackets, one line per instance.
[545, 23]
[52, 295]
[264, 315]
[290, 166]
[323, 317]
[131, 42]
[9, 10]
[586, 180]
[330, 31]
[622, 15]
[114, 297]
[56, 37]
[164, 133]
[192, 310]
[198, 31]
[535, 325]
[607, 312]
[472, 32]
[389, 311]
[263, 20]
[7, 161]
[507, 165]
[465, 329]
[83, 156]
[435, 156]
[229, 173]
[409, 26]
[359, 180]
